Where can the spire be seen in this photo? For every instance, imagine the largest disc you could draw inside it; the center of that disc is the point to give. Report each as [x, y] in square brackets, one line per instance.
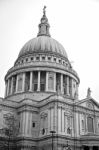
[44, 25]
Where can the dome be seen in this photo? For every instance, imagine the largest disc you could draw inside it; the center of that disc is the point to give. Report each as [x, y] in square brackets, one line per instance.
[43, 44]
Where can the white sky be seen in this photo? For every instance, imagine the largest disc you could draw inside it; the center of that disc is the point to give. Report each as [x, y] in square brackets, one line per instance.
[74, 23]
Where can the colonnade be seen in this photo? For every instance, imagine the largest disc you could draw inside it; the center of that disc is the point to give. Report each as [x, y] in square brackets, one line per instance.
[40, 81]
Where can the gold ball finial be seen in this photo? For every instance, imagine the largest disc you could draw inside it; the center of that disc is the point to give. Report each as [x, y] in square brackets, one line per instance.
[44, 10]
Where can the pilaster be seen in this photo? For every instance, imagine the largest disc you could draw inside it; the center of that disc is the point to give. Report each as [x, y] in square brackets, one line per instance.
[17, 84]
[12, 85]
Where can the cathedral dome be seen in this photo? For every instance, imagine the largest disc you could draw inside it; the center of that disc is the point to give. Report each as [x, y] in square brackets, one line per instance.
[42, 68]
[43, 44]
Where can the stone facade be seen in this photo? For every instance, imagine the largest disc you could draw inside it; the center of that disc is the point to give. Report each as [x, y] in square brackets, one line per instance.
[41, 90]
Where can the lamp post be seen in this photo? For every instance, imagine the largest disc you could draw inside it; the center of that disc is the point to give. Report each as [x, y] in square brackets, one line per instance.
[52, 137]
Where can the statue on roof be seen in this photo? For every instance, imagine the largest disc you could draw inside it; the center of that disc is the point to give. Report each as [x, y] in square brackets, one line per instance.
[88, 93]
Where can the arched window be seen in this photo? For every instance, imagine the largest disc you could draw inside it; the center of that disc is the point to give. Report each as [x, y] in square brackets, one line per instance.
[90, 124]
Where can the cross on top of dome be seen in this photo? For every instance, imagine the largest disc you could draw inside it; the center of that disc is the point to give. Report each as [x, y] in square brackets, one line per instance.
[44, 25]
[44, 10]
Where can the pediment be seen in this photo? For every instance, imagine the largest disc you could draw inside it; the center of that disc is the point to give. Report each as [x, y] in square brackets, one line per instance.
[89, 103]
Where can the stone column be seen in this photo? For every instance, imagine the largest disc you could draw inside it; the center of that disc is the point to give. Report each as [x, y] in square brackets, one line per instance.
[12, 85]
[54, 81]
[23, 84]
[31, 81]
[67, 88]
[61, 83]
[77, 85]
[17, 84]
[46, 81]
[70, 86]
[8, 87]
[38, 88]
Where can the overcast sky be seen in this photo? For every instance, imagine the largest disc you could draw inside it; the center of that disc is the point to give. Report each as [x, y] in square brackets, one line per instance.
[74, 23]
